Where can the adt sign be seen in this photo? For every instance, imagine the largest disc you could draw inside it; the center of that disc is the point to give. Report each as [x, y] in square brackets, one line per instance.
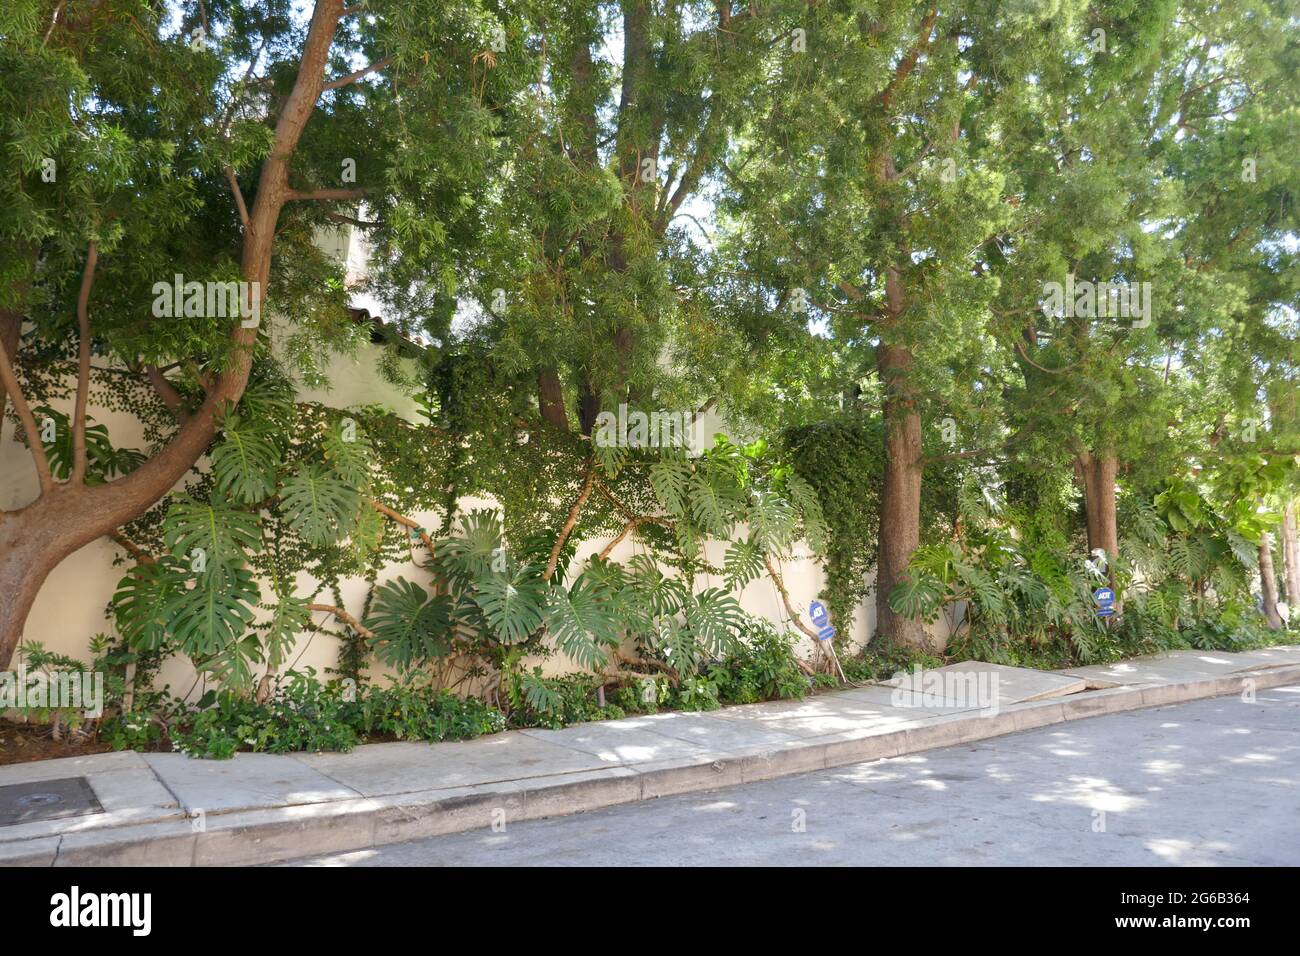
[1105, 598]
[820, 616]
[821, 619]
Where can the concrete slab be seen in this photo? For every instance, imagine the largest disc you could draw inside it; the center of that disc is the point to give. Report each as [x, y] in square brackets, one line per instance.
[407, 767]
[245, 782]
[824, 715]
[631, 740]
[1172, 667]
[901, 699]
[71, 767]
[712, 733]
[1269, 656]
[975, 683]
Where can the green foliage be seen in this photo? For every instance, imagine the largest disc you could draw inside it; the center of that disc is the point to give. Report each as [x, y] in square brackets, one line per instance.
[760, 666]
[303, 714]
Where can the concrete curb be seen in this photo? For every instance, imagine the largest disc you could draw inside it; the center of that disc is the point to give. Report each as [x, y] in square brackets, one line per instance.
[285, 833]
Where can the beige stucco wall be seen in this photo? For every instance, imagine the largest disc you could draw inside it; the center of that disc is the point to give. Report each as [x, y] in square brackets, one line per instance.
[71, 606]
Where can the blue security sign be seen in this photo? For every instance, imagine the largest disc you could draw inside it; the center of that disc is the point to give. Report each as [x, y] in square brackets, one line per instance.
[1104, 597]
[820, 616]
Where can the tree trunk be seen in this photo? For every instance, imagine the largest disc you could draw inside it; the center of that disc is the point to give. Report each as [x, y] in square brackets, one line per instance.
[1291, 559]
[900, 497]
[1268, 583]
[550, 398]
[1098, 473]
[36, 538]
[11, 326]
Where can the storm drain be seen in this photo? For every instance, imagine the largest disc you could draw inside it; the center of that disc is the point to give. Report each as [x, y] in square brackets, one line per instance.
[47, 800]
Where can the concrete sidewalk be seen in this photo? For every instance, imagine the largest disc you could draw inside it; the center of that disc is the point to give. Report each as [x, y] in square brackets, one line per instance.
[166, 809]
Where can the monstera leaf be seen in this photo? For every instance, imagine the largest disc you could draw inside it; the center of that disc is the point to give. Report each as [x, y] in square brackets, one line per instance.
[471, 554]
[805, 499]
[213, 614]
[289, 618]
[581, 622]
[317, 505]
[771, 522]
[245, 461]
[140, 602]
[670, 479]
[714, 619]
[103, 461]
[348, 452]
[200, 531]
[511, 601]
[410, 627]
[742, 563]
[711, 503]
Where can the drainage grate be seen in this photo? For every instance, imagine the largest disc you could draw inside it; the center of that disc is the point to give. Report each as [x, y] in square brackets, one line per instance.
[47, 800]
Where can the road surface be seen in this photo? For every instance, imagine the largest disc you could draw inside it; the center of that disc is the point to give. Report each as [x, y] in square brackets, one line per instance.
[1213, 782]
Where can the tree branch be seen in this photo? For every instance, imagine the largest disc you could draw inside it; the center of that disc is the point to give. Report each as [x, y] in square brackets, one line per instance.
[327, 194]
[403, 520]
[345, 617]
[239, 195]
[10, 382]
[167, 392]
[571, 520]
[83, 367]
[908, 63]
[789, 608]
[353, 77]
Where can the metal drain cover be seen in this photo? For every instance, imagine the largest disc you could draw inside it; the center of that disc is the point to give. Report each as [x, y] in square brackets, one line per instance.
[47, 800]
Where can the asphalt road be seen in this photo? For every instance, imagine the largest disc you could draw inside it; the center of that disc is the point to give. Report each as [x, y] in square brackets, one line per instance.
[1214, 782]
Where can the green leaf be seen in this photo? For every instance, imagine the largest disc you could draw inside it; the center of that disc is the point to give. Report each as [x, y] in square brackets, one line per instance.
[581, 623]
[670, 479]
[771, 522]
[917, 596]
[140, 602]
[470, 554]
[221, 535]
[410, 627]
[742, 563]
[805, 499]
[317, 505]
[714, 618]
[711, 505]
[348, 451]
[511, 601]
[245, 461]
[215, 612]
[289, 618]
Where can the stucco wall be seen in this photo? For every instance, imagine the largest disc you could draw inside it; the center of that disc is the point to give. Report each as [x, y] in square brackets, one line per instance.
[71, 607]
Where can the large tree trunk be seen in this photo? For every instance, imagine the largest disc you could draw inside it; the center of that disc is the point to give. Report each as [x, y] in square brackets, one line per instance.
[66, 517]
[1098, 476]
[1268, 582]
[550, 398]
[11, 326]
[1291, 559]
[900, 497]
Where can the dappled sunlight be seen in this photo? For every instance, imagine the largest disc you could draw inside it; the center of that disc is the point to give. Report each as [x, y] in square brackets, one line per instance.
[1163, 766]
[1094, 793]
[1185, 852]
